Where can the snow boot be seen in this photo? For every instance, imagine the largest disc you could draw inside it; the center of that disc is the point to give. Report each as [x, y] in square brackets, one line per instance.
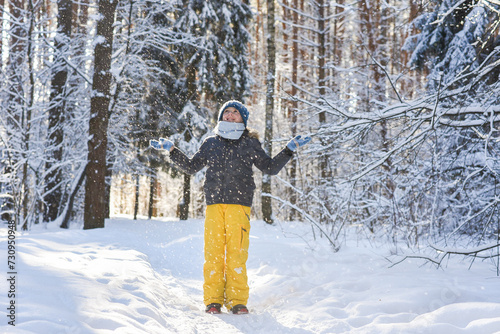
[239, 309]
[213, 308]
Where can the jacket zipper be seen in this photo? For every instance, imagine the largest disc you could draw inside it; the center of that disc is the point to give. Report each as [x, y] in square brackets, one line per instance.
[225, 158]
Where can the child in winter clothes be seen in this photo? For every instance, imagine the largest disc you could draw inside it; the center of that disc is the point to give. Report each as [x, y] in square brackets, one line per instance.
[229, 156]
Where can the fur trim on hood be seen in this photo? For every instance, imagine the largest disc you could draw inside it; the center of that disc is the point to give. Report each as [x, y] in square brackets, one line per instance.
[253, 133]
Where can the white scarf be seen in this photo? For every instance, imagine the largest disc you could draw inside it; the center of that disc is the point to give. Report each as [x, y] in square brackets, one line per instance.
[229, 130]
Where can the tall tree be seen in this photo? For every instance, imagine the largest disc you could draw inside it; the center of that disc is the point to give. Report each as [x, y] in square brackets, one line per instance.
[267, 210]
[2, 4]
[322, 34]
[292, 112]
[322, 38]
[27, 119]
[15, 103]
[210, 62]
[95, 190]
[56, 113]
[458, 47]
[455, 36]
[218, 62]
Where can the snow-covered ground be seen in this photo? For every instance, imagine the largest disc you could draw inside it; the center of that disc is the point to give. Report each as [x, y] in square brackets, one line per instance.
[146, 277]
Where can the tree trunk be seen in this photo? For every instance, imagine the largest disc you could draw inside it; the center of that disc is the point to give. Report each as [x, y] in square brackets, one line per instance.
[28, 198]
[322, 75]
[80, 9]
[267, 210]
[256, 54]
[406, 89]
[14, 104]
[53, 178]
[136, 198]
[157, 195]
[322, 53]
[152, 183]
[186, 187]
[2, 4]
[286, 18]
[71, 200]
[186, 198]
[118, 89]
[292, 112]
[109, 176]
[95, 191]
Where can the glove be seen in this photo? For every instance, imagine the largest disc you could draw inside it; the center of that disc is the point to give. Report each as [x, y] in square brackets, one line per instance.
[163, 144]
[297, 142]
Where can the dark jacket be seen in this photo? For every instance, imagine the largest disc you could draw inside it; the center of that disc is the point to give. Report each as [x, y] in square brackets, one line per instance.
[229, 177]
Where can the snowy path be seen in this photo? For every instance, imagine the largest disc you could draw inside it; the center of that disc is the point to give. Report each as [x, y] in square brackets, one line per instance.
[146, 277]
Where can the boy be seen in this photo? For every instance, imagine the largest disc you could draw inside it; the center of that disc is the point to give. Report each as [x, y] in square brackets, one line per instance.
[228, 188]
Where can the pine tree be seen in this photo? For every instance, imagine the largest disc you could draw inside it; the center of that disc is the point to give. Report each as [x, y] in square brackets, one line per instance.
[209, 63]
[456, 47]
[220, 57]
[57, 111]
[455, 37]
[268, 134]
[95, 190]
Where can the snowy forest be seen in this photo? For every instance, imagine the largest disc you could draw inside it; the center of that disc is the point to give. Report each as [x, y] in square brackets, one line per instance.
[402, 99]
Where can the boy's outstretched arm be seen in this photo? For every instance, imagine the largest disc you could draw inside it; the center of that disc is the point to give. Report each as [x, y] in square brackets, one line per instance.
[272, 166]
[184, 163]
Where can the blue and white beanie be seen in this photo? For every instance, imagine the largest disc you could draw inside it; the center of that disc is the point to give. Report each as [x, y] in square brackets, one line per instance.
[238, 106]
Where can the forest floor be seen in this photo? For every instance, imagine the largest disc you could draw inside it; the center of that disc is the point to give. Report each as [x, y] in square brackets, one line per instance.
[145, 276]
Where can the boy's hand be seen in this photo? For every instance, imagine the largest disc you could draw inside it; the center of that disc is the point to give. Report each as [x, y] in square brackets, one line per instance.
[298, 142]
[163, 144]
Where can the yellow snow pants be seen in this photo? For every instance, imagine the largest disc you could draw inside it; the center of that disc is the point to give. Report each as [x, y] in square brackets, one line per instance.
[227, 228]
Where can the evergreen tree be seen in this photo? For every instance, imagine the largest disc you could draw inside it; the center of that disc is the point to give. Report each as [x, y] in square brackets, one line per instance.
[95, 190]
[53, 182]
[209, 62]
[455, 38]
[456, 47]
[221, 54]
[267, 210]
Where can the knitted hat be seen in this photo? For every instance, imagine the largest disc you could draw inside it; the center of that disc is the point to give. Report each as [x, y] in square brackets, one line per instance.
[238, 106]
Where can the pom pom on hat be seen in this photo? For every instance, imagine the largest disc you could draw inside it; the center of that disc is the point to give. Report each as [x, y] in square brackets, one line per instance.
[238, 106]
